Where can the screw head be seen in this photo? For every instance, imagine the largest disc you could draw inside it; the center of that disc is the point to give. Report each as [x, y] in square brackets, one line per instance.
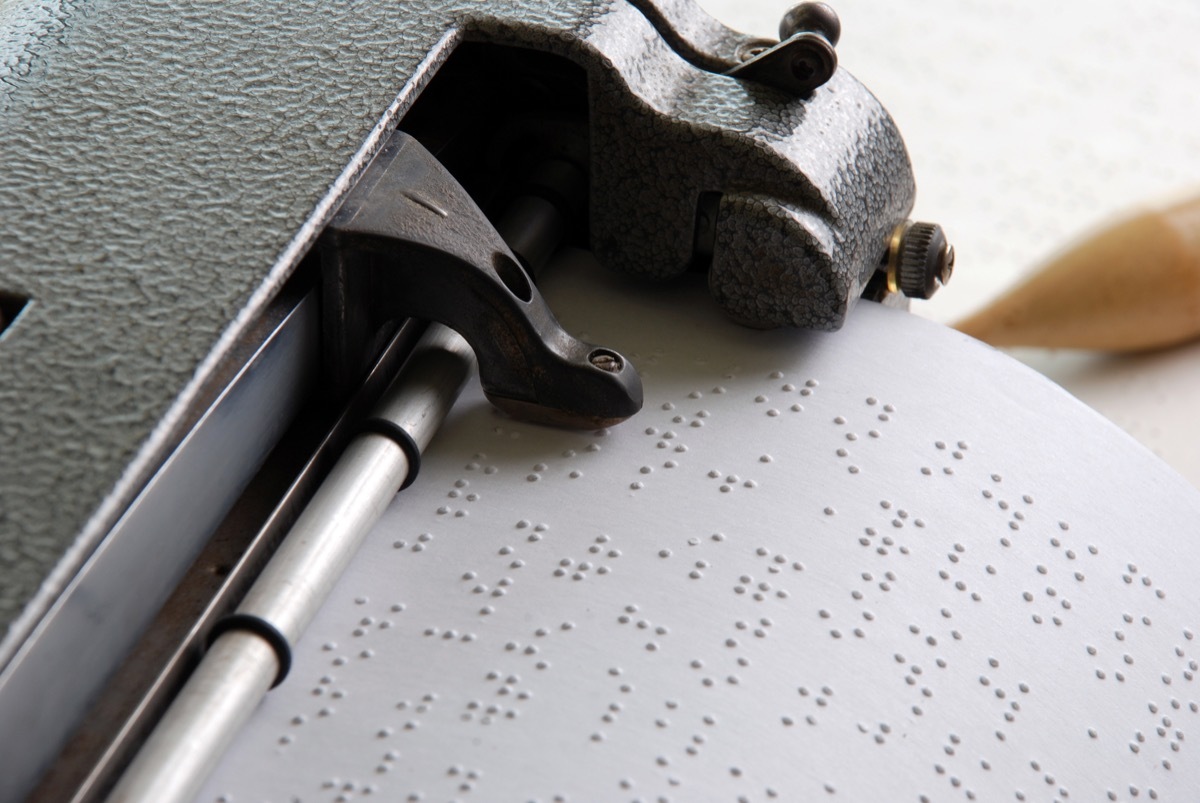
[922, 260]
[606, 360]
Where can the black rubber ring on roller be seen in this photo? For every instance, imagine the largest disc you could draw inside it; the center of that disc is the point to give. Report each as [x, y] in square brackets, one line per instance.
[262, 628]
[398, 435]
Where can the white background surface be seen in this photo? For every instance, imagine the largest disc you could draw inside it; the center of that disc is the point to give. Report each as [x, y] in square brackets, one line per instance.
[1029, 124]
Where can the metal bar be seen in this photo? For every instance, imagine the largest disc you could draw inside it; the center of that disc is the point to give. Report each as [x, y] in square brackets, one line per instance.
[204, 718]
[108, 603]
[150, 677]
[219, 697]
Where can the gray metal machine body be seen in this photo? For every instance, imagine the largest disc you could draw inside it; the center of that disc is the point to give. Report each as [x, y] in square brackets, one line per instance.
[166, 169]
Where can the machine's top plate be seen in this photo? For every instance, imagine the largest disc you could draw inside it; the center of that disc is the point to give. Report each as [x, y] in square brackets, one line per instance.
[165, 167]
[160, 163]
[885, 563]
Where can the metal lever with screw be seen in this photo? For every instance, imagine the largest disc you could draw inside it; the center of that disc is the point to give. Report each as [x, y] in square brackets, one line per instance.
[803, 59]
[410, 242]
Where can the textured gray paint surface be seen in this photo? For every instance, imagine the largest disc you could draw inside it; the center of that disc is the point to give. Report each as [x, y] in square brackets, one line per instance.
[160, 163]
[157, 161]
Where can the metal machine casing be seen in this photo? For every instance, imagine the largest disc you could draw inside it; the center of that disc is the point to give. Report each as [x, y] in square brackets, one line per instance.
[166, 168]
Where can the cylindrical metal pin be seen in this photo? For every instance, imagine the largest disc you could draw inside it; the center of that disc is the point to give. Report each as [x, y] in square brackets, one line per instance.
[241, 665]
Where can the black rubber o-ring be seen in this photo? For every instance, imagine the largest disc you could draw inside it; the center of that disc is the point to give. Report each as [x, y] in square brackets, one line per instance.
[260, 627]
[398, 435]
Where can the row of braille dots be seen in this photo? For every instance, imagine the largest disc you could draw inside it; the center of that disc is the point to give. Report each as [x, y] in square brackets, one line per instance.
[347, 790]
[1017, 518]
[698, 566]
[1060, 603]
[600, 553]
[885, 585]
[899, 519]
[539, 470]
[655, 633]
[1014, 513]
[789, 390]
[814, 703]
[325, 690]
[500, 588]
[578, 569]
[914, 675]
[761, 590]
[530, 650]
[1062, 793]
[851, 437]
[666, 435]
[692, 748]
[1134, 792]
[486, 713]
[461, 490]
[536, 473]
[328, 694]
[741, 630]
[775, 564]
[1168, 731]
[459, 493]
[613, 710]
[1173, 736]
[883, 545]
[954, 558]
[1010, 710]
[509, 694]
[1136, 581]
[957, 454]
[463, 779]
[1165, 729]
[728, 482]
[663, 762]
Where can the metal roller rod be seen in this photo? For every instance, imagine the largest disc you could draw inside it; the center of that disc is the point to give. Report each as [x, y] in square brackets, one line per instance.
[242, 664]
[251, 655]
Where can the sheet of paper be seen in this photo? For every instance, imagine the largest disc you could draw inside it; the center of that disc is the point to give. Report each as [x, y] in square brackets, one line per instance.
[882, 564]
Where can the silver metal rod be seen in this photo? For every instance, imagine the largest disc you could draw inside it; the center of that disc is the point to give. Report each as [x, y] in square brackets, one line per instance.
[111, 599]
[241, 665]
[192, 736]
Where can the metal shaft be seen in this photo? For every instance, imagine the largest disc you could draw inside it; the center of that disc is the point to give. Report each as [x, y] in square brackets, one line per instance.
[241, 665]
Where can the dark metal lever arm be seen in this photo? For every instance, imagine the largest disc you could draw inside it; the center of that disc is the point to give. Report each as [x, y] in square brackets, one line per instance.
[409, 242]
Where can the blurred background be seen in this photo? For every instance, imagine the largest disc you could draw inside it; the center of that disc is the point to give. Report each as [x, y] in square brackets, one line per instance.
[1029, 125]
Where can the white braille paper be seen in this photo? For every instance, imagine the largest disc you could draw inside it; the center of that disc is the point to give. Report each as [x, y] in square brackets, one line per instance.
[883, 564]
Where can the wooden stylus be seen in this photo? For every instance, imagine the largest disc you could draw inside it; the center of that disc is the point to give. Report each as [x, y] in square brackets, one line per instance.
[1130, 287]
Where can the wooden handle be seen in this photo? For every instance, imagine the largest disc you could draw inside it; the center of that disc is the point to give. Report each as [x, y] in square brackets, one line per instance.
[1131, 287]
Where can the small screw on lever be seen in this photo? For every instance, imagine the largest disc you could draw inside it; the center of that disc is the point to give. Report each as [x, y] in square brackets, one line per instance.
[409, 242]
